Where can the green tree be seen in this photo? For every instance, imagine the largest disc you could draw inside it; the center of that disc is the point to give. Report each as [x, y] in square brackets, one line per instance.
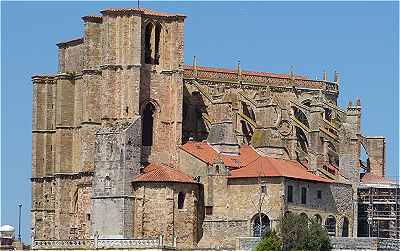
[270, 242]
[300, 234]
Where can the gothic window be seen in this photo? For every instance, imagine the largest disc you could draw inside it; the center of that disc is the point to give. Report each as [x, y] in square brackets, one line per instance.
[302, 141]
[300, 116]
[148, 44]
[328, 114]
[330, 225]
[303, 195]
[290, 194]
[260, 225]
[181, 200]
[345, 230]
[147, 124]
[152, 37]
[157, 44]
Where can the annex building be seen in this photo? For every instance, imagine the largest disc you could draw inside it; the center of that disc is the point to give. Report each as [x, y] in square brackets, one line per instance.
[130, 147]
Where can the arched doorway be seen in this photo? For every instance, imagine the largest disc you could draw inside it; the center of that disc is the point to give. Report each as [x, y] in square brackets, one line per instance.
[345, 228]
[330, 225]
[147, 124]
[260, 225]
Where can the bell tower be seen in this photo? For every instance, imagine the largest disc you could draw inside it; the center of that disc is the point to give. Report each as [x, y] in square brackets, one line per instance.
[142, 65]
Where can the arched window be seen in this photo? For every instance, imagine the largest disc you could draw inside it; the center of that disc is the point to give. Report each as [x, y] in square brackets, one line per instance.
[318, 218]
[300, 116]
[330, 225]
[260, 225]
[147, 125]
[181, 200]
[148, 50]
[302, 141]
[345, 229]
[157, 36]
[107, 182]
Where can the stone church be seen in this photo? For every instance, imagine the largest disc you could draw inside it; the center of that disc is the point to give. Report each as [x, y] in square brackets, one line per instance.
[128, 143]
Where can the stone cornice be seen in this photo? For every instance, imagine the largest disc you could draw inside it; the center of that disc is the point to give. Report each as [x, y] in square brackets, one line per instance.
[92, 19]
[61, 175]
[91, 72]
[111, 67]
[43, 79]
[69, 43]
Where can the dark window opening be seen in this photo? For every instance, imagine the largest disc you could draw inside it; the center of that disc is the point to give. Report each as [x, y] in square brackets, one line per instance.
[147, 44]
[247, 131]
[88, 217]
[209, 210]
[263, 189]
[345, 230]
[127, 110]
[181, 200]
[328, 114]
[157, 44]
[147, 125]
[217, 169]
[107, 182]
[290, 194]
[303, 195]
[319, 194]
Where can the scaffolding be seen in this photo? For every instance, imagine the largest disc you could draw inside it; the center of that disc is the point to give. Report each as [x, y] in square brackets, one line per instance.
[379, 211]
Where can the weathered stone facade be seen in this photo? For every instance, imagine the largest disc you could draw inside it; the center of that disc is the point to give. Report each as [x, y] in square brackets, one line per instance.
[122, 99]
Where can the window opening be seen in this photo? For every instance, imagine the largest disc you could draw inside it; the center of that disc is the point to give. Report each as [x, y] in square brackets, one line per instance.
[147, 125]
[181, 200]
[290, 194]
[303, 195]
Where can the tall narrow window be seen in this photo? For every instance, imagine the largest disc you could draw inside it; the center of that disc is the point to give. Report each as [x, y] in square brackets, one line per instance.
[290, 194]
[181, 200]
[157, 44]
[148, 44]
[319, 194]
[147, 125]
[303, 195]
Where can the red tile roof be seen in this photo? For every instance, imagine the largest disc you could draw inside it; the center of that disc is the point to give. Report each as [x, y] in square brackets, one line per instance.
[204, 152]
[270, 167]
[369, 178]
[250, 164]
[162, 173]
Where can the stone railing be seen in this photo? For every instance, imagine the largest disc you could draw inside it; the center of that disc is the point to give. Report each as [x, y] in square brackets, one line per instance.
[98, 243]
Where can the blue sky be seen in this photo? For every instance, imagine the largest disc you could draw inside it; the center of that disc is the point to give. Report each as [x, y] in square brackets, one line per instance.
[358, 39]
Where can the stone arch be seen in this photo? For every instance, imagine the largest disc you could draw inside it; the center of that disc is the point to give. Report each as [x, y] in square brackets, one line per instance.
[330, 225]
[317, 218]
[345, 227]
[304, 215]
[148, 124]
[260, 225]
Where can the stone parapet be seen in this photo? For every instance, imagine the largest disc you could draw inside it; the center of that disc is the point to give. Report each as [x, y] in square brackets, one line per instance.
[87, 244]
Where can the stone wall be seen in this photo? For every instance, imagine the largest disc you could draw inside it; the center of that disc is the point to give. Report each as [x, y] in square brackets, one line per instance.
[156, 212]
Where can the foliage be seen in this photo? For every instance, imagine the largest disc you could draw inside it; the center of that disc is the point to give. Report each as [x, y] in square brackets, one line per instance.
[300, 233]
[270, 242]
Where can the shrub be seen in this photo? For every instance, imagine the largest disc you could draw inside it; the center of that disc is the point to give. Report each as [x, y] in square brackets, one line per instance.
[270, 242]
